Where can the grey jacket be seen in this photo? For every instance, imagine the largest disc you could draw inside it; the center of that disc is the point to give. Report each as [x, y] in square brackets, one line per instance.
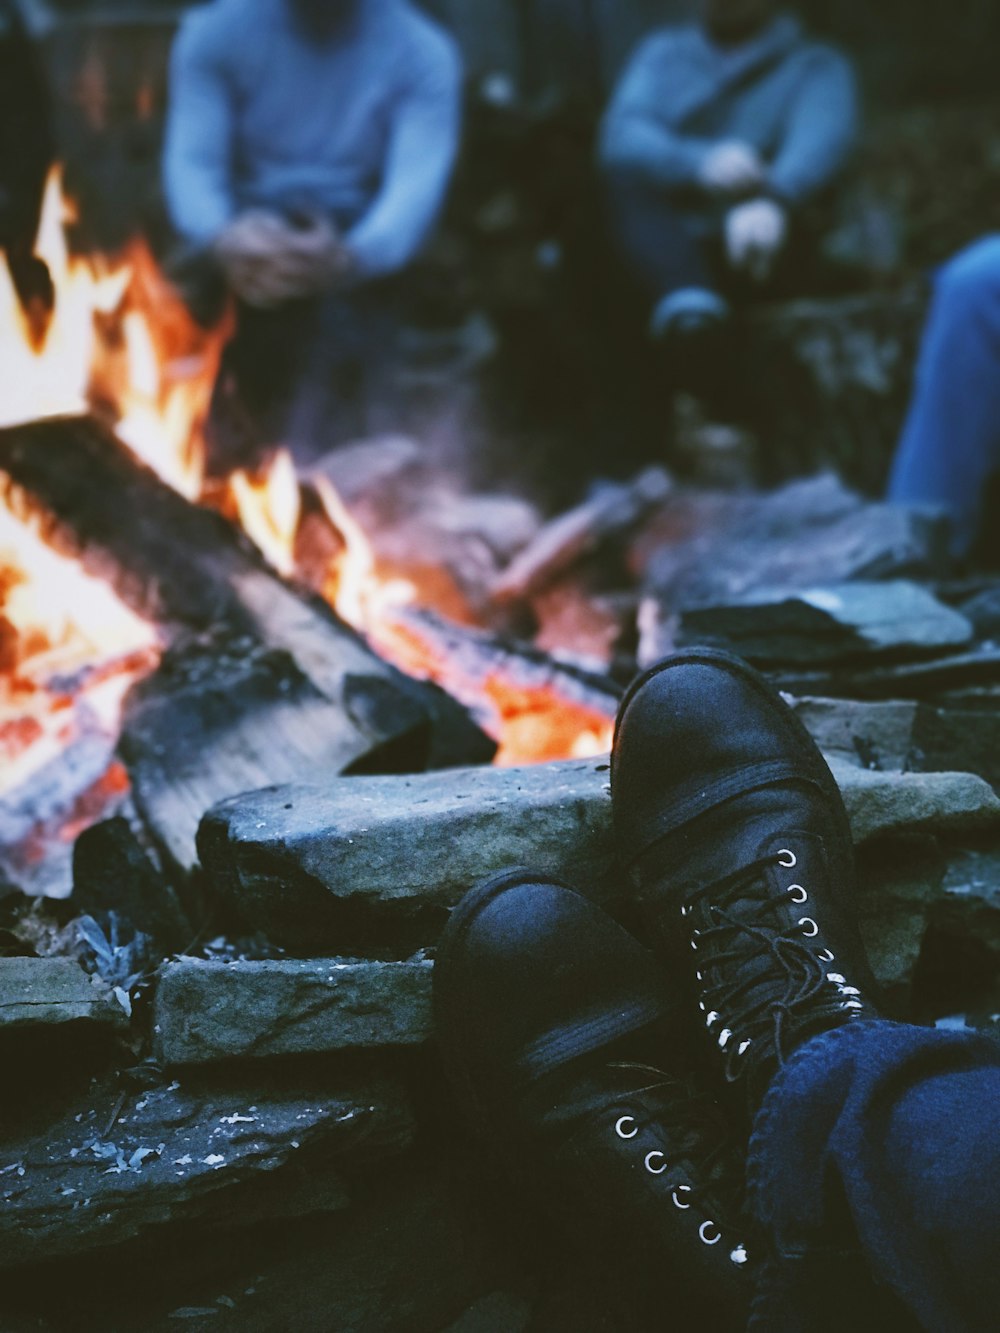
[365, 126]
[792, 99]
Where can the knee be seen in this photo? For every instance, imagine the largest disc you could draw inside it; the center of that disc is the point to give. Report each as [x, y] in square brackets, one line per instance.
[972, 278]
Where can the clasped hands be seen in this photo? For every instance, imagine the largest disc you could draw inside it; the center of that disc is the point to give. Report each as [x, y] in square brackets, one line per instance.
[268, 260]
[756, 228]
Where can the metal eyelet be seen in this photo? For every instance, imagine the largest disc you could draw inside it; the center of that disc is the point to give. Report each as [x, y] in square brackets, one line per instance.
[702, 1230]
[825, 956]
[792, 858]
[744, 1046]
[626, 1120]
[655, 1170]
[739, 1255]
[712, 1018]
[694, 938]
[724, 1038]
[808, 921]
[794, 890]
[680, 1189]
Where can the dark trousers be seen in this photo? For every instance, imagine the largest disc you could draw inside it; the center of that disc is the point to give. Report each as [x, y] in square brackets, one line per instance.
[665, 244]
[300, 375]
[874, 1172]
[662, 246]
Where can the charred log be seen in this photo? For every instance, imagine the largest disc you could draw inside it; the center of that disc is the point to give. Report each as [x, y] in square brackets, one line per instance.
[280, 688]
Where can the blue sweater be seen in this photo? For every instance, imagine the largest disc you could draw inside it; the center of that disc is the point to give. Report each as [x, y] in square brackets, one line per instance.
[793, 100]
[364, 127]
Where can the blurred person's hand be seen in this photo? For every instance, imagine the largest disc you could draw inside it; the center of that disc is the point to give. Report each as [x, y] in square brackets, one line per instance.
[316, 256]
[269, 260]
[731, 168]
[755, 234]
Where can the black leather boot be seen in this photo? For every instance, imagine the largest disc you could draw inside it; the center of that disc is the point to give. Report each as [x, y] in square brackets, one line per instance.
[554, 1025]
[737, 840]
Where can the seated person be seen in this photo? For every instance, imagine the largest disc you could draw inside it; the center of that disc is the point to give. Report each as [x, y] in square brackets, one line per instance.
[950, 447]
[309, 148]
[720, 143]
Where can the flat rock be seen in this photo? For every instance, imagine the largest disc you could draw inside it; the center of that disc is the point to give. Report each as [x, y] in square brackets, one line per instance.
[373, 861]
[206, 1011]
[828, 623]
[39, 992]
[109, 1169]
[876, 735]
[708, 550]
[886, 802]
[961, 735]
[328, 867]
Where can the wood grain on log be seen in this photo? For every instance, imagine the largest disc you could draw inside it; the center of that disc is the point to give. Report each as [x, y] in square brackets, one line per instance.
[274, 685]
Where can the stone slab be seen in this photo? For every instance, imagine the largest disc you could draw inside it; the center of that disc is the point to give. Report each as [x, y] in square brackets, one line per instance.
[889, 802]
[317, 867]
[108, 1169]
[206, 1011]
[375, 859]
[907, 735]
[39, 992]
[878, 735]
[828, 624]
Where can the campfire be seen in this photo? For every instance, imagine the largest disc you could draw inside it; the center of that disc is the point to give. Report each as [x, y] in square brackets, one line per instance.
[118, 346]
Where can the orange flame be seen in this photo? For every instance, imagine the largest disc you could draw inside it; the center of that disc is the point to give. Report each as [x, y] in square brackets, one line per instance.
[119, 340]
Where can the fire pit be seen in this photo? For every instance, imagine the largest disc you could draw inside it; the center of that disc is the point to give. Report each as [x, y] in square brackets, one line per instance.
[260, 733]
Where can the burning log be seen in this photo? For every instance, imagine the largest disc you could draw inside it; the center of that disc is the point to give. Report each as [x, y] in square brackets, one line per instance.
[281, 686]
[613, 511]
[544, 708]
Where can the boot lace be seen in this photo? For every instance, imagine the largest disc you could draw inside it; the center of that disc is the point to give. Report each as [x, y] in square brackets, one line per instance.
[764, 976]
[700, 1138]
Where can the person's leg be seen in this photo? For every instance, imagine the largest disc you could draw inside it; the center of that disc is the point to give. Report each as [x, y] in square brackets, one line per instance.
[875, 1165]
[951, 440]
[875, 1146]
[664, 249]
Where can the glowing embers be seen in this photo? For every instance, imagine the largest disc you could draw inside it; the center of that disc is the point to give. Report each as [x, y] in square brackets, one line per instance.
[69, 649]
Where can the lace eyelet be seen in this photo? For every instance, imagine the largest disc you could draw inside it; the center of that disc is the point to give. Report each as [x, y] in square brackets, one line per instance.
[724, 1038]
[703, 1237]
[792, 858]
[794, 891]
[808, 921]
[825, 956]
[626, 1120]
[680, 1189]
[713, 1017]
[655, 1170]
[739, 1255]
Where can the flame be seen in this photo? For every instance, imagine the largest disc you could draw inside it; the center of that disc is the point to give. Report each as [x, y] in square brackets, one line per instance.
[58, 625]
[268, 508]
[47, 373]
[118, 340]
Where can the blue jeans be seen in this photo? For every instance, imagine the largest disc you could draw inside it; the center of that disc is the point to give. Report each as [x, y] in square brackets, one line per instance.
[874, 1173]
[664, 247]
[950, 445]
